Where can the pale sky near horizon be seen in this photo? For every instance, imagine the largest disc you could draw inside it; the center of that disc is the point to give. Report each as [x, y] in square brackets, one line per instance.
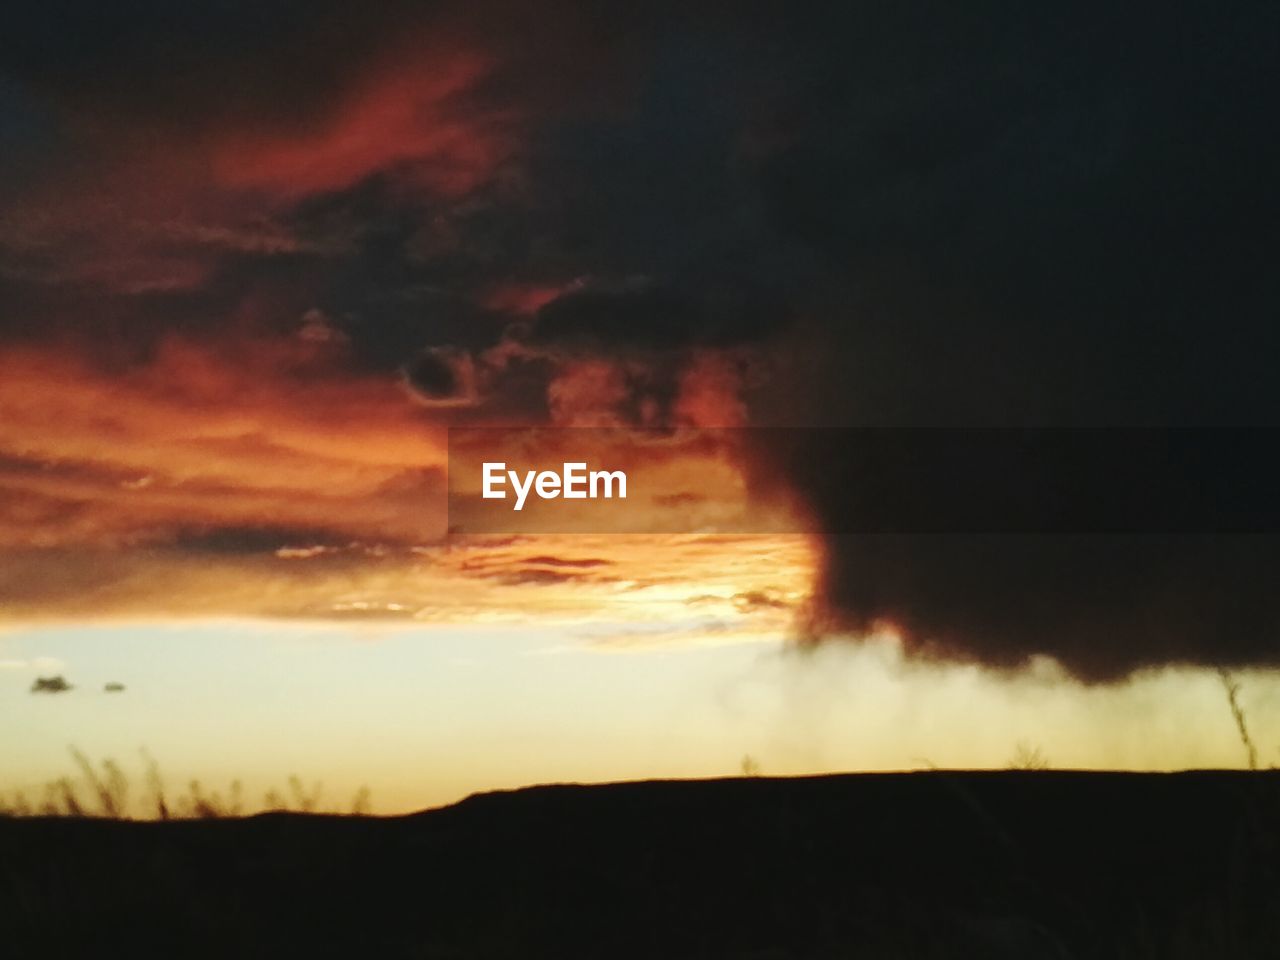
[426, 716]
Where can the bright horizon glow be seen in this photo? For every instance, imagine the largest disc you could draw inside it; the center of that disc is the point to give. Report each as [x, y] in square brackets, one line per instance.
[424, 716]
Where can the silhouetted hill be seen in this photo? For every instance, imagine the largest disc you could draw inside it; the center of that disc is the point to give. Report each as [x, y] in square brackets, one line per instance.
[922, 865]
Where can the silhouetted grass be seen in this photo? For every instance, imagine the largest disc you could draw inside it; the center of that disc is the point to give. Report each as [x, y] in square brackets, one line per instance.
[103, 792]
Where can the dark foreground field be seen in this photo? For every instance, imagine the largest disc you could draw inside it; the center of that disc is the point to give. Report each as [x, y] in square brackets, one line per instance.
[1018, 865]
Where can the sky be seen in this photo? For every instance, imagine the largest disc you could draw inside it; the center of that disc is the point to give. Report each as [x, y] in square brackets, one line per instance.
[256, 261]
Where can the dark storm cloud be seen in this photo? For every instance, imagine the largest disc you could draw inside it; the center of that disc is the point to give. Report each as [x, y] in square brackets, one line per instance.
[639, 315]
[1102, 605]
[1038, 218]
[1108, 550]
[161, 60]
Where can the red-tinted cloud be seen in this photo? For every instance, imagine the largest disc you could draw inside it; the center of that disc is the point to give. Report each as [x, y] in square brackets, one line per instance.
[417, 115]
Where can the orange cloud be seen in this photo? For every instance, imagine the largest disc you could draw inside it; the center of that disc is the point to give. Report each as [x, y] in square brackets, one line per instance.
[159, 201]
[325, 488]
[710, 393]
[589, 393]
[254, 431]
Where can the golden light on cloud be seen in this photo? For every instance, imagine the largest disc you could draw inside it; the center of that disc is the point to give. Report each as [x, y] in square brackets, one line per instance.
[627, 591]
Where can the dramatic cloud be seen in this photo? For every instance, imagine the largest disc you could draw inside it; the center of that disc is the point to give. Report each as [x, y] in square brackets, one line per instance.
[255, 262]
[412, 116]
[1101, 605]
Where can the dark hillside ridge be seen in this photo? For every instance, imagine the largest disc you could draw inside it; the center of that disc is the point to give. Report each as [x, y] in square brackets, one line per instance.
[936, 864]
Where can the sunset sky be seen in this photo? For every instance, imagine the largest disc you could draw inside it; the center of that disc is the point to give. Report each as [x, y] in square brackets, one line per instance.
[257, 259]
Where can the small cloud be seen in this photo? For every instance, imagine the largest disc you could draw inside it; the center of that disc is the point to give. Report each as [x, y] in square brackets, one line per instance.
[545, 560]
[57, 684]
[522, 298]
[318, 328]
[534, 575]
[303, 553]
[759, 600]
[442, 377]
